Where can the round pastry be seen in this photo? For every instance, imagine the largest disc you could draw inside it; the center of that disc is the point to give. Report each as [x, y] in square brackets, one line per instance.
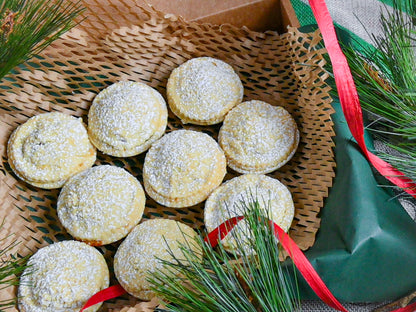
[101, 205]
[183, 168]
[202, 90]
[258, 138]
[49, 148]
[61, 278]
[233, 197]
[126, 118]
[138, 256]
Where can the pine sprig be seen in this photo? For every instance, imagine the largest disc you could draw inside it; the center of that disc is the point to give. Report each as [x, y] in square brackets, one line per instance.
[29, 26]
[386, 83]
[11, 267]
[251, 279]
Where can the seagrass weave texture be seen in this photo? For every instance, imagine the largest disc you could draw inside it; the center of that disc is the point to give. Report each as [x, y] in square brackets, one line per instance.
[121, 41]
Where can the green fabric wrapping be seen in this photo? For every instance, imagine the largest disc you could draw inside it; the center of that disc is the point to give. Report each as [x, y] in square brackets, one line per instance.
[365, 250]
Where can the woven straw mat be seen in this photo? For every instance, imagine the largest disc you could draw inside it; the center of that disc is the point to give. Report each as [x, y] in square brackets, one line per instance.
[119, 40]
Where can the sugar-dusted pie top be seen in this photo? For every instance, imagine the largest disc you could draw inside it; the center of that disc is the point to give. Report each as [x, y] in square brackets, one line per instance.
[137, 257]
[126, 118]
[61, 278]
[202, 90]
[49, 148]
[183, 167]
[258, 137]
[227, 202]
[101, 205]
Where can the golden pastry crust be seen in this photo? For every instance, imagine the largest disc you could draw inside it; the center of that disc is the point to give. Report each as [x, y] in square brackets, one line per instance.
[126, 118]
[258, 138]
[49, 148]
[183, 168]
[62, 277]
[202, 90]
[101, 205]
[137, 257]
[225, 203]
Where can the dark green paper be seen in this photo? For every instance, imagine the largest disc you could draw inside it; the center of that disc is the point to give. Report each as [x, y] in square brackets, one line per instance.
[365, 250]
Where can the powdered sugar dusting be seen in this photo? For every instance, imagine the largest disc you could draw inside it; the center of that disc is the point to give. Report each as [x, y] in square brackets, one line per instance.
[258, 138]
[183, 167]
[126, 118]
[225, 203]
[49, 148]
[203, 90]
[136, 258]
[62, 277]
[101, 205]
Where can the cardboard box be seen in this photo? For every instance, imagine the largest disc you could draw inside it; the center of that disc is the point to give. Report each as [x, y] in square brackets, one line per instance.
[259, 15]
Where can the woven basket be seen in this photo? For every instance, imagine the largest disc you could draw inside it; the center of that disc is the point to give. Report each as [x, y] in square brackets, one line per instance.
[120, 40]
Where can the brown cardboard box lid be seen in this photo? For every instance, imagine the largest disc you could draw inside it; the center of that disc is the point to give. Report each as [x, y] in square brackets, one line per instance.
[258, 15]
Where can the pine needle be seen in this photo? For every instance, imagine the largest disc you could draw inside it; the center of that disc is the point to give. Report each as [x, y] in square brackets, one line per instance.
[250, 280]
[11, 267]
[386, 83]
[29, 26]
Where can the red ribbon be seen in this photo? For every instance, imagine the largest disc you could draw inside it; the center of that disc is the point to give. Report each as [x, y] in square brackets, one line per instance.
[353, 114]
[103, 295]
[298, 258]
[348, 96]
[218, 234]
[409, 308]
[308, 272]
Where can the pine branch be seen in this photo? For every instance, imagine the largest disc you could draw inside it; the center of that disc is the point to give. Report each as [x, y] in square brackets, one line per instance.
[386, 83]
[29, 26]
[251, 279]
